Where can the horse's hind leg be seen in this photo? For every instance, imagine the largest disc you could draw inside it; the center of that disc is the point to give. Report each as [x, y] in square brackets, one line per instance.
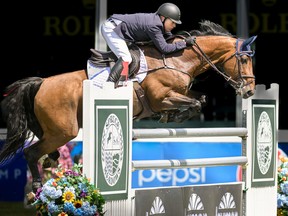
[51, 160]
[32, 154]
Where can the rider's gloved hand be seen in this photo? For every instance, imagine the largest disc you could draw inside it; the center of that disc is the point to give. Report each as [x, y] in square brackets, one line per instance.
[190, 41]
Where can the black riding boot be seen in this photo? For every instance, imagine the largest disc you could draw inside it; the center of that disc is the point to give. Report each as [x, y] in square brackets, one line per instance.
[119, 72]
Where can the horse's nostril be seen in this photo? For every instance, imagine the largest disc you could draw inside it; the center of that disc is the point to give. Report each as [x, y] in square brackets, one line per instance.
[250, 93]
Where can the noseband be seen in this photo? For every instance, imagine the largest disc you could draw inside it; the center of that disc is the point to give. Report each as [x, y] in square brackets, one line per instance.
[239, 83]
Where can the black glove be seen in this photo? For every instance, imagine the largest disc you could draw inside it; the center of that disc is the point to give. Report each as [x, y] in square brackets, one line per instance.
[190, 41]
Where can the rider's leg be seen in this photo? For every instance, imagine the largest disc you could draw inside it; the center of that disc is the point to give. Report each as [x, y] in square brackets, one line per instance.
[119, 73]
[124, 73]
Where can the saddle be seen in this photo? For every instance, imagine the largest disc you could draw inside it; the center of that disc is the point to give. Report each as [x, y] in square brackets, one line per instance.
[108, 59]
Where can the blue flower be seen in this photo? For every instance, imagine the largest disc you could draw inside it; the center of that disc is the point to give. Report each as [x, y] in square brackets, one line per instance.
[68, 207]
[52, 207]
[78, 212]
[280, 198]
[89, 210]
[284, 187]
[71, 189]
[284, 171]
[82, 187]
[51, 192]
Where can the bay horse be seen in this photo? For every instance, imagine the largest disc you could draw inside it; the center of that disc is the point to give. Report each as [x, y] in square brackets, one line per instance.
[51, 108]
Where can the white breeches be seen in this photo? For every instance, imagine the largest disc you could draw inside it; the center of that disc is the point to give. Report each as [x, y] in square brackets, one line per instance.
[115, 43]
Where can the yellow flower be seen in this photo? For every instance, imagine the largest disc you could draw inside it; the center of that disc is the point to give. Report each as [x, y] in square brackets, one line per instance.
[78, 203]
[68, 196]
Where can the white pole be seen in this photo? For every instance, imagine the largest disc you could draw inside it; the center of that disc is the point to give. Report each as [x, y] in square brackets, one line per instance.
[100, 17]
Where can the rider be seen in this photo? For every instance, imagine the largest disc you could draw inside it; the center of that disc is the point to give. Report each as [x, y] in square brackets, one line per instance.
[141, 27]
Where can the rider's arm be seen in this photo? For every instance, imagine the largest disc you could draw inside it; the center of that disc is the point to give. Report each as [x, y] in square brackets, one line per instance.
[156, 35]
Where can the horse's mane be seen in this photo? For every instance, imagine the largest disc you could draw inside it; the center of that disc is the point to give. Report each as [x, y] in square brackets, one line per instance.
[208, 28]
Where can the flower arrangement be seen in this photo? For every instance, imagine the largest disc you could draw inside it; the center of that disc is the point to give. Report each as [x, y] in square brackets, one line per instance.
[70, 193]
[282, 188]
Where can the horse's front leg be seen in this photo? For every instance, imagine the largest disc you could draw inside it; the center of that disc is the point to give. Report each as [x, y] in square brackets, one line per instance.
[172, 106]
[181, 102]
[179, 117]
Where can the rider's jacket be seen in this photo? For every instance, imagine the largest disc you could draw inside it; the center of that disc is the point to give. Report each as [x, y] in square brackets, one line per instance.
[141, 27]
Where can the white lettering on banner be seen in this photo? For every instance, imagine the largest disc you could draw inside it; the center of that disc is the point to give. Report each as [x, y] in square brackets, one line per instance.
[199, 178]
[228, 214]
[17, 173]
[204, 214]
[163, 175]
[192, 175]
[4, 174]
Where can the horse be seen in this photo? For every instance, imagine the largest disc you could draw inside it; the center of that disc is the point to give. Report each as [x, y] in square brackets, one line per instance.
[51, 108]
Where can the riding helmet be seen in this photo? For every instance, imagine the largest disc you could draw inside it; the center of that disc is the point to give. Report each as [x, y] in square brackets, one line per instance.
[171, 11]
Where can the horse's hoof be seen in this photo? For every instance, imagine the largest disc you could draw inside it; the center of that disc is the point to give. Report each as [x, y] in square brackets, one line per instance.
[164, 117]
[203, 100]
[36, 185]
[30, 198]
[48, 162]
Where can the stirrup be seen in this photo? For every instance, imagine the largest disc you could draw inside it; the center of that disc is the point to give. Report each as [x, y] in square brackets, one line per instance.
[122, 81]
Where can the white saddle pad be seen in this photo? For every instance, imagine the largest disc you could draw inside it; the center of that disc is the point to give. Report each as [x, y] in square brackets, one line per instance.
[99, 75]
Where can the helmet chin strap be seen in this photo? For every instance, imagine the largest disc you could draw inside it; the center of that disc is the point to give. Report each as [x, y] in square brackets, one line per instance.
[165, 18]
[161, 17]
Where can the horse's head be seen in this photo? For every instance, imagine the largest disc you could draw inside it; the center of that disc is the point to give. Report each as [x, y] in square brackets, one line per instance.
[232, 55]
[238, 68]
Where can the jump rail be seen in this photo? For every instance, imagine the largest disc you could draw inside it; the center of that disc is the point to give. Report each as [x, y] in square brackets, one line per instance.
[185, 132]
[189, 132]
[188, 163]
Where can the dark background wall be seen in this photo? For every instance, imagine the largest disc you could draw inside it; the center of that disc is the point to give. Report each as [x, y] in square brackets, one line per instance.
[43, 38]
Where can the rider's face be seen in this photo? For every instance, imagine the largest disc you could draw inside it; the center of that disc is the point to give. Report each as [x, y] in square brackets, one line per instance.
[169, 25]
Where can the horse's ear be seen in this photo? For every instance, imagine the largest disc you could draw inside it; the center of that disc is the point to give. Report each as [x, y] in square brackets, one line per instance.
[247, 43]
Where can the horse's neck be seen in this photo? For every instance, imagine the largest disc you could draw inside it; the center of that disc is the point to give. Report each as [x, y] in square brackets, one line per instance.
[213, 49]
[193, 60]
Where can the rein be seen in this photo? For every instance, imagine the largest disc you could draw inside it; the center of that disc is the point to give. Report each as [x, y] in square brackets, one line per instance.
[237, 85]
[167, 67]
[226, 77]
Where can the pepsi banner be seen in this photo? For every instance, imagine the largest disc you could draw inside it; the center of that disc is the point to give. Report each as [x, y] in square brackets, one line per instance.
[161, 150]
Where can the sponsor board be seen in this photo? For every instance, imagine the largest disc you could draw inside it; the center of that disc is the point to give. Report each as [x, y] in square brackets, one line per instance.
[219, 200]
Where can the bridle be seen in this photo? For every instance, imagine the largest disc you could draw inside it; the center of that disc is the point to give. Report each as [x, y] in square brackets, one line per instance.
[239, 83]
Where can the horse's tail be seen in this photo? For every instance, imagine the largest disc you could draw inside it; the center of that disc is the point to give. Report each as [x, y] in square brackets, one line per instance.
[18, 112]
